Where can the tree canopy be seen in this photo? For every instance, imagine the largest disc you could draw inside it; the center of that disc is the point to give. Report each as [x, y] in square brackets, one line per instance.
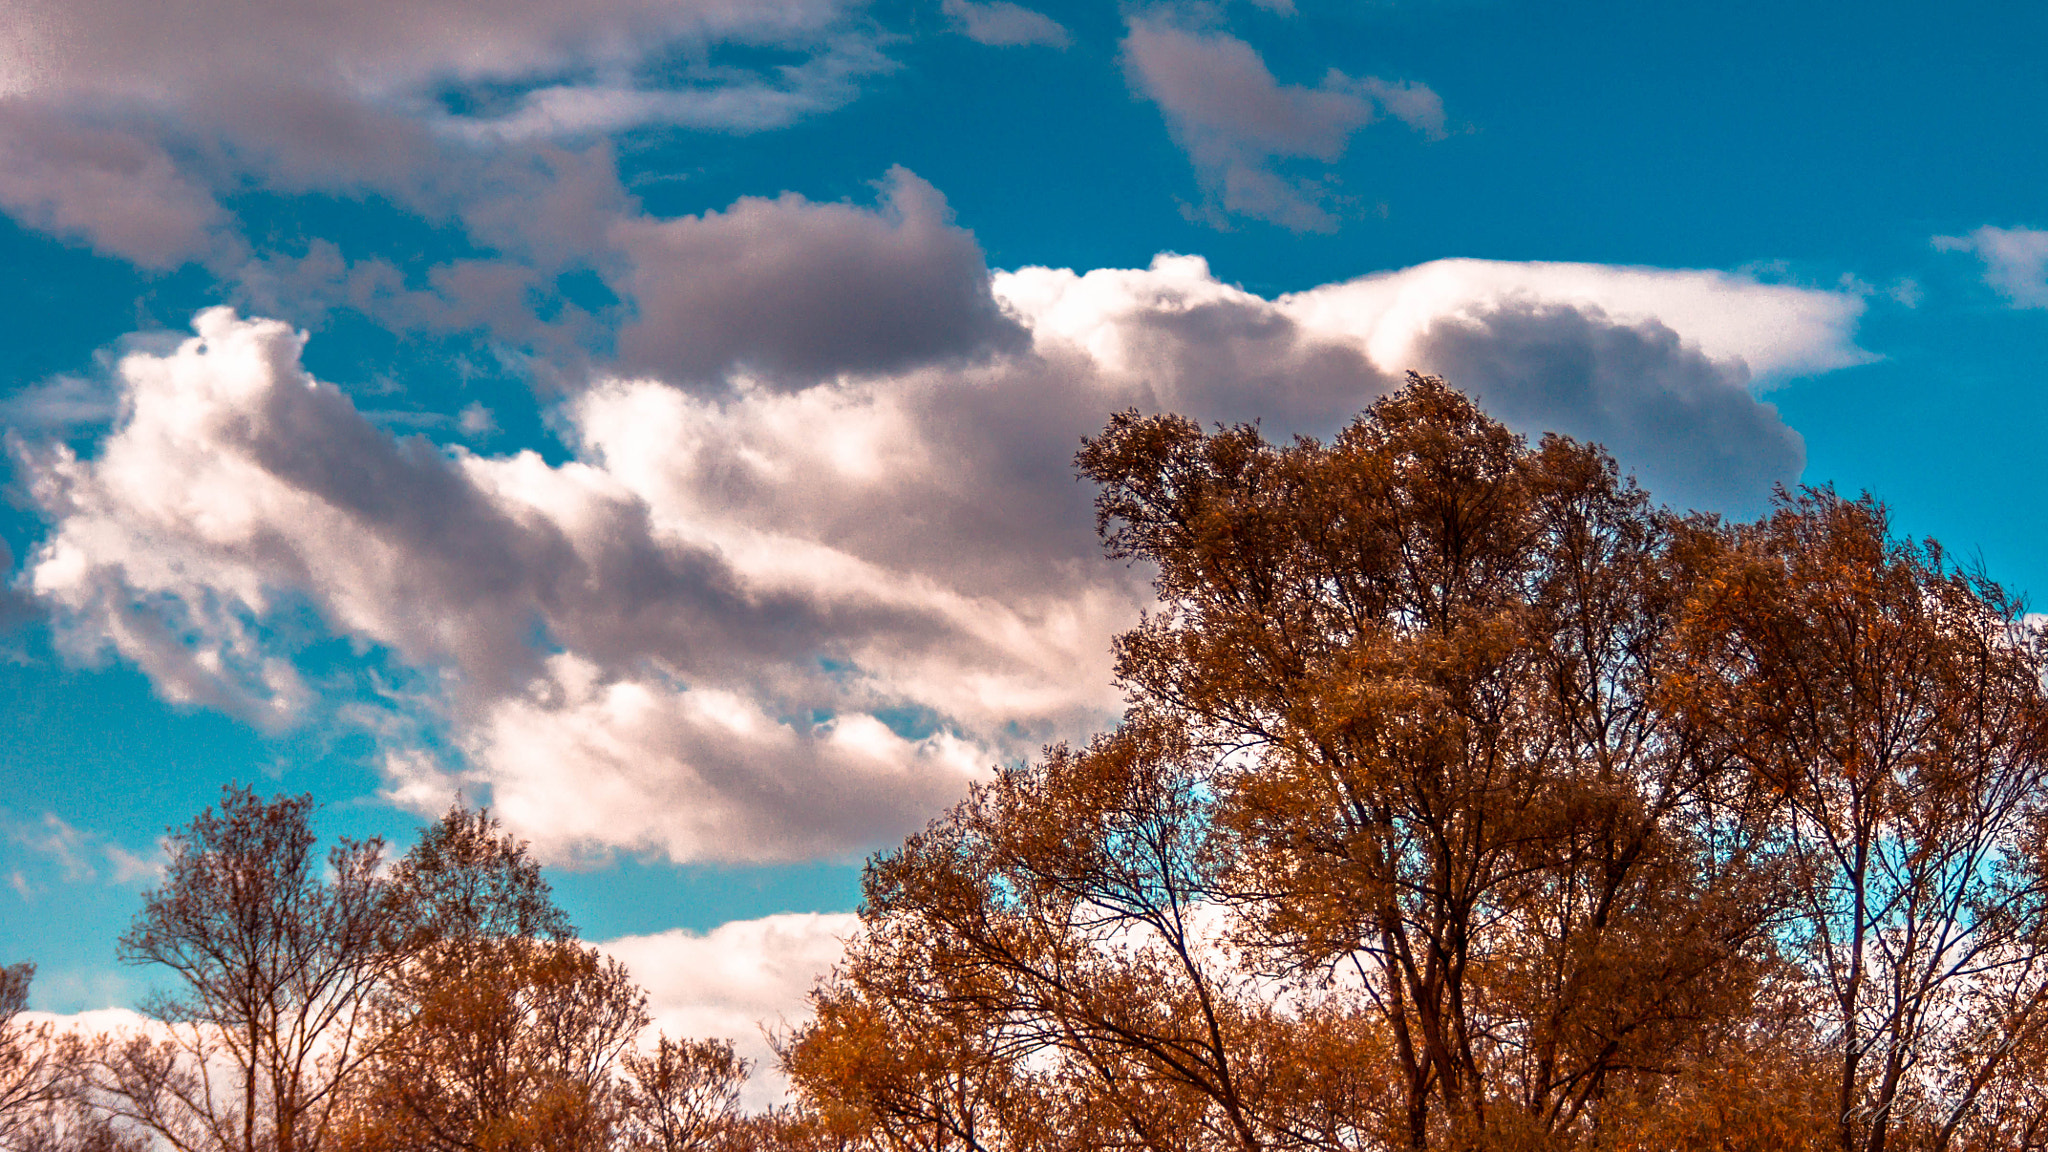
[1466, 799]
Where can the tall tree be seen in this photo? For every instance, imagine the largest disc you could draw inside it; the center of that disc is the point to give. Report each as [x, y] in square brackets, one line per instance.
[1894, 702]
[496, 1029]
[273, 949]
[1436, 662]
[32, 1079]
[1410, 839]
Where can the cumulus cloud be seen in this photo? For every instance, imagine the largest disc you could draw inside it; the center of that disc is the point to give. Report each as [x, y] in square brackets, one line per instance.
[1659, 365]
[790, 617]
[1775, 331]
[1173, 336]
[1685, 423]
[755, 667]
[2015, 261]
[1002, 24]
[789, 290]
[738, 982]
[1234, 119]
[705, 773]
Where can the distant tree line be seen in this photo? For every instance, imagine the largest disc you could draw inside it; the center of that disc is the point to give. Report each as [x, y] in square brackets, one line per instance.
[331, 1003]
[1465, 800]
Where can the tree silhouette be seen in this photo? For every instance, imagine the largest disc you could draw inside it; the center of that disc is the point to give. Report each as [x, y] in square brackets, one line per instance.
[275, 951]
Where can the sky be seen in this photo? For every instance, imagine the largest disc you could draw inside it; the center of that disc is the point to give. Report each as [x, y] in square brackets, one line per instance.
[655, 418]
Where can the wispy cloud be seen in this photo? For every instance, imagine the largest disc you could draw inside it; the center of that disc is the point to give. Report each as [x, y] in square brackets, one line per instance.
[66, 854]
[2015, 261]
[1001, 24]
[1235, 120]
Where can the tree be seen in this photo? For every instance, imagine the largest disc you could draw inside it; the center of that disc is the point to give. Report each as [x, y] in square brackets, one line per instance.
[495, 1029]
[683, 1096]
[273, 961]
[466, 882]
[1468, 800]
[1040, 970]
[1895, 704]
[33, 1080]
[1432, 665]
[513, 1054]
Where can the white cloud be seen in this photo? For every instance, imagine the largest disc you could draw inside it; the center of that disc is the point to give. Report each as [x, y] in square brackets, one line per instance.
[2015, 261]
[1001, 24]
[1656, 363]
[756, 619]
[74, 855]
[737, 980]
[705, 773]
[749, 659]
[1774, 331]
[1234, 119]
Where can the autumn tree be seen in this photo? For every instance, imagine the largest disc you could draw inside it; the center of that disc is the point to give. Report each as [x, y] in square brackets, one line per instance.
[1038, 971]
[1436, 661]
[273, 950]
[684, 1096]
[444, 1003]
[1420, 832]
[35, 1080]
[1893, 702]
[495, 1029]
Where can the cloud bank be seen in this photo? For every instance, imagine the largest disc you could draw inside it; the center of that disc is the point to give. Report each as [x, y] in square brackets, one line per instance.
[784, 599]
[738, 982]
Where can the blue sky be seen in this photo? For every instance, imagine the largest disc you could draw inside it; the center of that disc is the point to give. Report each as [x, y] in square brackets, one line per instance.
[654, 416]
